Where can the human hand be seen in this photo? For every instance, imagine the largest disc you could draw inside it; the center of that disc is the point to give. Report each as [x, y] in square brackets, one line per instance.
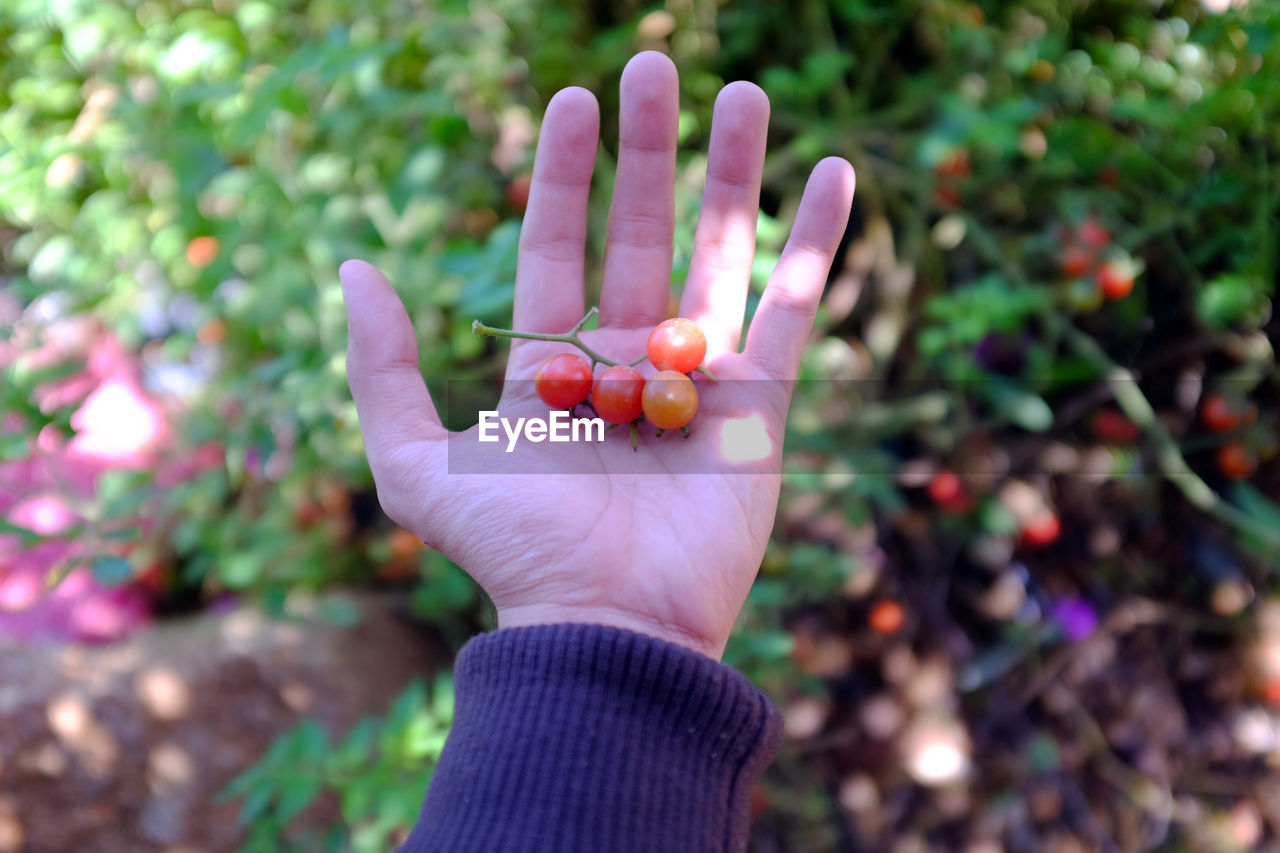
[621, 539]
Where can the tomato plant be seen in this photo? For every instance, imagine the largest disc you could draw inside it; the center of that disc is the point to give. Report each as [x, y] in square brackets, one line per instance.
[563, 381]
[617, 395]
[677, 344]
[670, 400]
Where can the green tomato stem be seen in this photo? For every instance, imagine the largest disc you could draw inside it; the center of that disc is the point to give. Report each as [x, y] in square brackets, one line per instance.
[570, 337]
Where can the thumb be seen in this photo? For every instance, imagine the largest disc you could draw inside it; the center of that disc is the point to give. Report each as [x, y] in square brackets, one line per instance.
[382, 365]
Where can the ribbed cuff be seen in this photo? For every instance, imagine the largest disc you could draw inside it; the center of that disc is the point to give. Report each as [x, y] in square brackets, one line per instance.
[587, 737]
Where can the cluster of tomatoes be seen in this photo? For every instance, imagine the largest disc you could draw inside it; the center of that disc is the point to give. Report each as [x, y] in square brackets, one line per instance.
[1220, 414]
[1088, 257]
[621, 394]
[1038, 523]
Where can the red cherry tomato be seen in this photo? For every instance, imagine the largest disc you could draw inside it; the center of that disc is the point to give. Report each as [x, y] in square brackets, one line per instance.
[677, 344]
[1042, 530]
[670, 400]
[563, 381]
[1077, 260]
[945, 487]
[1110, 425]
[1219, 415]
[1092, 234]
[1236, 461]
[946, 490]
[617, 396]
[518, 192]
[1115, 279]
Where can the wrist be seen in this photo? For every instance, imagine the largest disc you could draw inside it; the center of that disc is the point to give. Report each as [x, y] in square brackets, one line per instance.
[520, 616]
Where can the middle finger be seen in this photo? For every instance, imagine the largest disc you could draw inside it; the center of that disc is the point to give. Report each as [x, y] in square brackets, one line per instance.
[637, 266]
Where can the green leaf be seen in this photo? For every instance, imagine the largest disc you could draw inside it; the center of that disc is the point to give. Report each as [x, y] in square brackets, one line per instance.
[1026, 409]
[26, 537]
[255, 804]
[14, 447]
[358, 742]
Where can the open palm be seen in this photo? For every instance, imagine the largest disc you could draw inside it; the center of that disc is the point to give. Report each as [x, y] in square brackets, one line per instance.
[665, 540]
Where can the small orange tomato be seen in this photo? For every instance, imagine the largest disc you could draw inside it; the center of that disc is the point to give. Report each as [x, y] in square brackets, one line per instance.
[202, 251]
[669, 400]
[404, 544]
[212, 332]
[886, 617]
[1236, 461]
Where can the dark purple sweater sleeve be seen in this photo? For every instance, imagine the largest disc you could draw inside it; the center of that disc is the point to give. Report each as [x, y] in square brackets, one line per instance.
[586, 737]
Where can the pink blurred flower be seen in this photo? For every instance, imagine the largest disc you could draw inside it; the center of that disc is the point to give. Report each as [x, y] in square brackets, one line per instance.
[118, 423]
[46, 514]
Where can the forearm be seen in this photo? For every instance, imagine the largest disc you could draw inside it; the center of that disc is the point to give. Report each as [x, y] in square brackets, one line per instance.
[585, 737]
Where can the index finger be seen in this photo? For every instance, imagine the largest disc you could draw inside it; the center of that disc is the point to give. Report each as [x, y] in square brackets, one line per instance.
[549, 270]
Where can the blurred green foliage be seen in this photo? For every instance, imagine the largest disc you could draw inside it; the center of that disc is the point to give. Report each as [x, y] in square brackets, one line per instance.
[193, 173]
[377, 772]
